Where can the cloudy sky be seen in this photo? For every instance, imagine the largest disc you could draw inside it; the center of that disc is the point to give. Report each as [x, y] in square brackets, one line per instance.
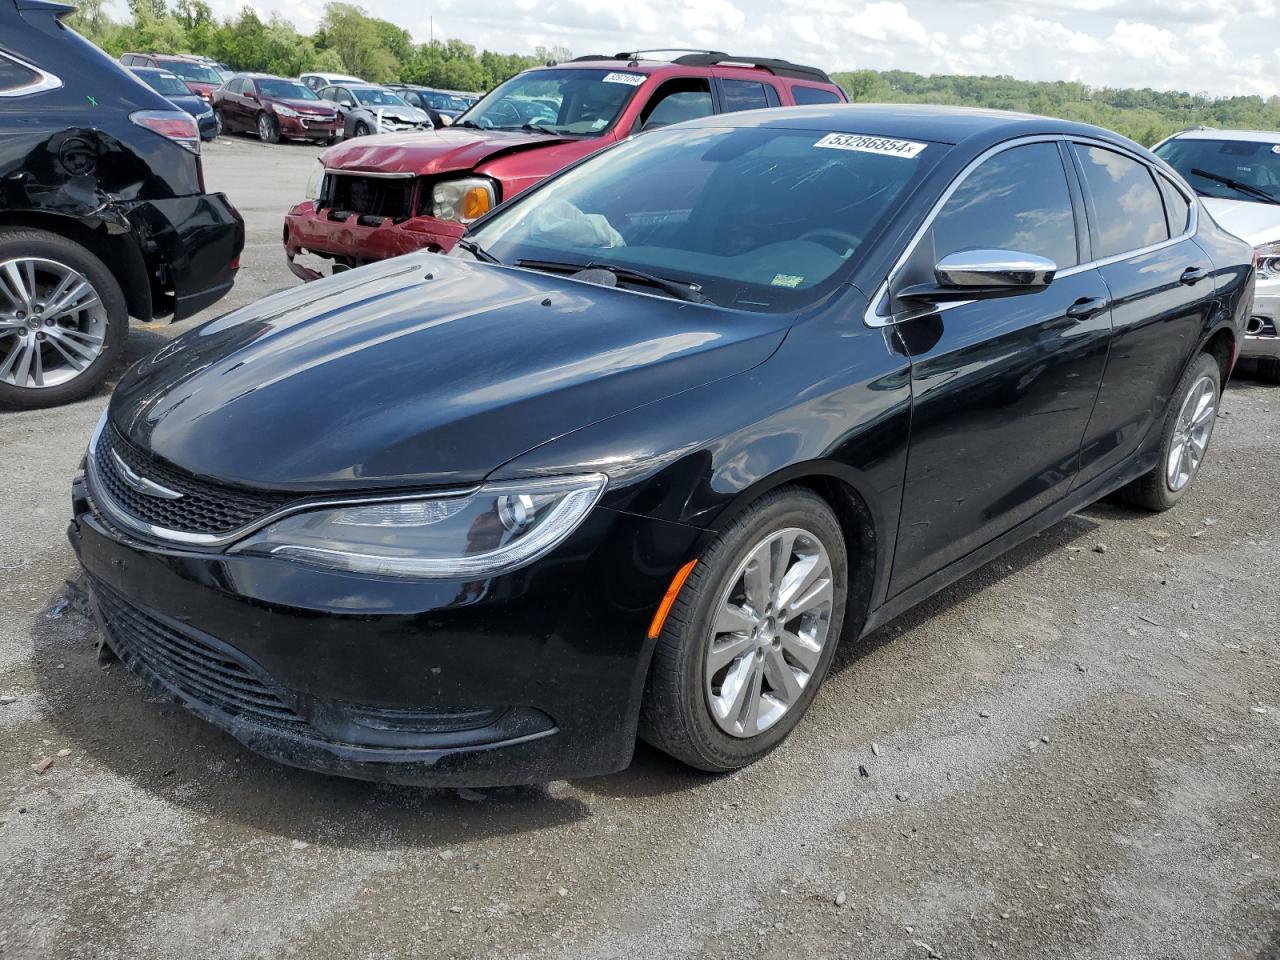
[1219, 46]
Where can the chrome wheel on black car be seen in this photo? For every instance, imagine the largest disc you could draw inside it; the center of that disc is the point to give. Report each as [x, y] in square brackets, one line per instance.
[62, 318]
[750, 636]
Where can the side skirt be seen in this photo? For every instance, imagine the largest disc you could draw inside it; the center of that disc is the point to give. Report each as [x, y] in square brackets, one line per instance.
[1075, 500]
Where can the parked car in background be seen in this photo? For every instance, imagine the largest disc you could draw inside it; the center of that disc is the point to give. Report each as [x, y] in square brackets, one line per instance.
[221, 69]
[318, 81]
[273, 107]
[1237, 176]
[365, 109]
[443, 108]
[200, 78]
[653, 439]
[103, 211]
[380, 198]
[176, 92]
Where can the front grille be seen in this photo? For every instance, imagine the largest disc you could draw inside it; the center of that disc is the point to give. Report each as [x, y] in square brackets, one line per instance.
[378, 196]
[193, 668]
[204, 507]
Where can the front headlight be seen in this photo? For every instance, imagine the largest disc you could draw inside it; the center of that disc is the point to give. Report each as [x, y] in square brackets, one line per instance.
[462, 200]
[495, 529]
[315, 183]
[1267, 257]
[284, 111]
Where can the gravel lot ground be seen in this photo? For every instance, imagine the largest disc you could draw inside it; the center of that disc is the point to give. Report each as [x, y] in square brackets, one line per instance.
[1075, 752]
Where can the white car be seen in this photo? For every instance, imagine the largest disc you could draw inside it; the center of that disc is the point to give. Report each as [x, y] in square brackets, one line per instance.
[318, 81]
[1237, 175]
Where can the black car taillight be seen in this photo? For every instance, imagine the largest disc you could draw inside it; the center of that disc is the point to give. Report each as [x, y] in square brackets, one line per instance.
[175, 125]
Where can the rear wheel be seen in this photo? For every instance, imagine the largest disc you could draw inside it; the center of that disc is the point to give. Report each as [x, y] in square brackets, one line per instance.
[1269, 369]
[268, 129]
[750, 636]
[63, 319]
[1184, 441]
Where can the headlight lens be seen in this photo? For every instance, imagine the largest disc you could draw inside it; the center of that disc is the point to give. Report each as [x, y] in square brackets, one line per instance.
[315, 183]
[1268, 258]
[283, 111]
[497, 528]
[462, 200]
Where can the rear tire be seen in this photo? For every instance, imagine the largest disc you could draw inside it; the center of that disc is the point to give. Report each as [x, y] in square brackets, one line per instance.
[1268, 369]
[73, 349]
[1188, 427]
[268, 129]
[723, 635]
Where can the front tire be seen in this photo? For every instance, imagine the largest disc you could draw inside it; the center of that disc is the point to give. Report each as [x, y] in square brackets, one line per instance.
[268, 129]
[1184, 441]
[750, 636]
[361, 130]
[63, 319]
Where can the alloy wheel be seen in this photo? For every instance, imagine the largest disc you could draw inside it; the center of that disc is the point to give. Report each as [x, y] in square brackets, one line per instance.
[1191, 434]
[771, 626]
[264, 127]
[53, 324]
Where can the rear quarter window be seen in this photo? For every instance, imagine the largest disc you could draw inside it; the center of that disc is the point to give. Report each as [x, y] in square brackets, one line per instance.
[14, 77]
[807, 95]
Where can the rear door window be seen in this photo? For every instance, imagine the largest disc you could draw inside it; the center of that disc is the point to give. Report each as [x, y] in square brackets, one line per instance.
[1019, 201]
[1124, 202]
[14, 77]
[746, 95]
[805, 95]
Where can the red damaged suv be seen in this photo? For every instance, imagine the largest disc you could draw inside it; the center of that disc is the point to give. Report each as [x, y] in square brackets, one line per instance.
[376, 197]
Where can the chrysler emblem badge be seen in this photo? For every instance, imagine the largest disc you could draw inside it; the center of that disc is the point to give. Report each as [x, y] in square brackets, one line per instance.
[148, 488]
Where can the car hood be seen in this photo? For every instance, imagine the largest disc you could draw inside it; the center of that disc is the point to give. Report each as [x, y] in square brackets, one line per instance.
[438, 151]
[1254, 223]
[419, 371]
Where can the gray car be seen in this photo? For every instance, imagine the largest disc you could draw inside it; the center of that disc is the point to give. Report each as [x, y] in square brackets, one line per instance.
[368, 109]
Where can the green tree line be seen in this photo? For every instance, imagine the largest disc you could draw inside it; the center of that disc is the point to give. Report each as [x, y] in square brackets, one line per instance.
[348, 40]
[1144, 115]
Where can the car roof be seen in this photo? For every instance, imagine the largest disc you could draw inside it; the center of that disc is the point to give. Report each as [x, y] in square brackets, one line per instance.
[1209, 133]
[158, 71]
[937, 124]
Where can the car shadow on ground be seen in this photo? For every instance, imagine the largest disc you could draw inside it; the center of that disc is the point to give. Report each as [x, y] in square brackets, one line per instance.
[111, 719]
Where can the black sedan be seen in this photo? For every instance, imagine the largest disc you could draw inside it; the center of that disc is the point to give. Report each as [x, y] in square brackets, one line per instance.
[172, 88]
[657, 435]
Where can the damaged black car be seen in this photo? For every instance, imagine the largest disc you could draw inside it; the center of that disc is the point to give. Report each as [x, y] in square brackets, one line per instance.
[658, 434]
[103, 210]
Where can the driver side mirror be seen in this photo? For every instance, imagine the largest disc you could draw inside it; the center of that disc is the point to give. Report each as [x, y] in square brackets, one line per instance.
[983, 274]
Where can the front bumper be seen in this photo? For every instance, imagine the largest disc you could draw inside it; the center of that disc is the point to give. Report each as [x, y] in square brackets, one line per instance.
[191, 247]
[351, 238]
[1262, 337]
[529, 677]
[304, 128]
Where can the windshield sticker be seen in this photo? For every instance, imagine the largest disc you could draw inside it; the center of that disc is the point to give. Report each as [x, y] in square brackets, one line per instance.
[787, 280]
[906, 149]
[630, 79]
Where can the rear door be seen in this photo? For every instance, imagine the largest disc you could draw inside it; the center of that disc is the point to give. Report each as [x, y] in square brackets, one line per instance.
[1002, 389]
[1161, 287]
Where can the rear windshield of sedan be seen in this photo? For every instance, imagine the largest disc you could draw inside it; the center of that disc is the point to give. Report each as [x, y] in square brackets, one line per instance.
[192, 71]
[1254, 164]
[566, 101]
[166, 84]
[373, 97]
[285, 90]
[759, 218]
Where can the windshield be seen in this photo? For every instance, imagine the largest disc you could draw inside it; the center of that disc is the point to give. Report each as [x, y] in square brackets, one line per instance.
[285, 90]
[166, 84]
[580, 102]
[373, 97]
[1252, 164]
[192, 71]
[758, 218]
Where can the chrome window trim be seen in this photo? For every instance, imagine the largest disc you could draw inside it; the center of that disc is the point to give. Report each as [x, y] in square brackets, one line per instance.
[872, 318]
[43, 83]
[162, 536]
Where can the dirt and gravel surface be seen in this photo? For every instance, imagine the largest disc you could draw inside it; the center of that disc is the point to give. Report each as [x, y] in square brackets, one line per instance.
[1075, 752]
